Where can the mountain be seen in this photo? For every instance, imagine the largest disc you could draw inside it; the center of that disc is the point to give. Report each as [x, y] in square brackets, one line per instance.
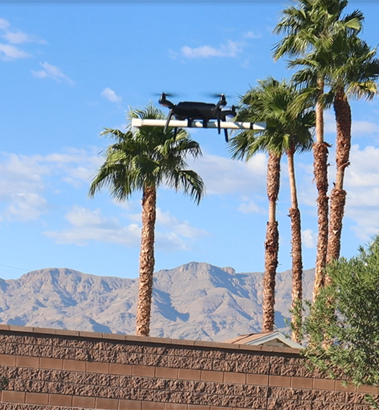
[194, 301]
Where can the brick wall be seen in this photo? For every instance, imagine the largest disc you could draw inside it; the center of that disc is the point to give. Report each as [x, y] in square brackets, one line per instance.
[60, 369]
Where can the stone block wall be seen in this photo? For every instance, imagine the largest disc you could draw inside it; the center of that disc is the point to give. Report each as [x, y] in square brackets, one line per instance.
[59, 369]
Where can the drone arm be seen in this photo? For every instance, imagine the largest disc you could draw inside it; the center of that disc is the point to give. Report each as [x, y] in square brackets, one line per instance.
[165, 102]
[221, 101]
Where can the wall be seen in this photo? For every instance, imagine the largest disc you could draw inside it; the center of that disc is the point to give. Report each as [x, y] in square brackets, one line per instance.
[60, 369]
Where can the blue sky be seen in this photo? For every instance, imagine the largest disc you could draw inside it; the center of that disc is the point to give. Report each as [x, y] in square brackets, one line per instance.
[70, 69]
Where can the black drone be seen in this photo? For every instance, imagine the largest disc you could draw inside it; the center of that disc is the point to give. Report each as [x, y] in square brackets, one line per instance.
[191, 111]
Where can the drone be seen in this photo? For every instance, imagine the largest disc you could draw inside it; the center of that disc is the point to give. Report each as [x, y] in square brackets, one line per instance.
[191, 111]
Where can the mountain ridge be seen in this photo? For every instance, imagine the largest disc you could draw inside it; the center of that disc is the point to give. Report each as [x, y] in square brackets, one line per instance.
[197, 301]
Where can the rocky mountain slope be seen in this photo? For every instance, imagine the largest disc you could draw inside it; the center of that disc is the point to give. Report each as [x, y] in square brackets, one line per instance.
[193, 301]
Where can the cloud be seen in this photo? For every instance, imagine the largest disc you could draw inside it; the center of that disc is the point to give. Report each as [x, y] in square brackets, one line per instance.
[226, 176]
[9, 52]
[76, 167]
[20, 174]
[21, 186]
[230, 49]
[362, 187]
[181, 228]
[251, 208]
[26, 178]
[4, 24]
[110, 95]
[24, 189]
[362, 128]
[20, 37]
[309, 238]
[26, 206]
[363, 171]
[51, 71]
[251, 34]
[358, 128]
[87, 225]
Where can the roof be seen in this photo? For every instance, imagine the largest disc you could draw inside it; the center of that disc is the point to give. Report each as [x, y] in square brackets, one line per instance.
[275, 338]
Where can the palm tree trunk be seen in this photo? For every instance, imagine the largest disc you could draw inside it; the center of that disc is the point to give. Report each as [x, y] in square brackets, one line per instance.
[338, 195]
[271, 244]
[320, 153]
[146, 261]
[296, 251]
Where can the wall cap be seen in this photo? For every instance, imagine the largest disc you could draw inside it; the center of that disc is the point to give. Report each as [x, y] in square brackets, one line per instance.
[143, 339]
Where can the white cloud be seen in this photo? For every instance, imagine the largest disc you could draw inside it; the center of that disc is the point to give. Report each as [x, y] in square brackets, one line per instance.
[309, 238]
[362, 187]
[20, 175]
[128, 206]
[51, 71]
[358, 128]
[170, 242]
[110, 95]
[20, 37]
[9, 52]
[77, 166]
[251, 208]
[21, 186]
[4, 24]
[226, 176]
[363, 171]
[87, 225]
[25, 179]
[181, 228]
[251, 34]
[26, 206]
[363, 128]
[230, 49]
[367, 222]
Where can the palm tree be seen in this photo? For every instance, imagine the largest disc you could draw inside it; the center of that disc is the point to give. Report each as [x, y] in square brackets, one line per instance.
[352, 73]
[350, 70]
[286, 132]
[310, 26]
[142, 160]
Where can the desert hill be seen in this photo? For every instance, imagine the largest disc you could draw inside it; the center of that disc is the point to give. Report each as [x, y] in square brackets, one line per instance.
[193, 301]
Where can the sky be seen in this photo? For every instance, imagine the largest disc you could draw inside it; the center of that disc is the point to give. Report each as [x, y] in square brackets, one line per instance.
[70, 69]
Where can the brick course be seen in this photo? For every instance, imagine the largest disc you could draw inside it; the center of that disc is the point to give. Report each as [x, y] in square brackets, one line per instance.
[52, 369]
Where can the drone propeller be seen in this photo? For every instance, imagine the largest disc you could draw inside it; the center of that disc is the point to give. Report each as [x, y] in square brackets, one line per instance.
[215, 95]
[166, 94]
[165, 102]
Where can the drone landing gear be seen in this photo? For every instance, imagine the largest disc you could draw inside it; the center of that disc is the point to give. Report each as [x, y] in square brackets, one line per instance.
[190, 123]
[226, 135]
[170, 114]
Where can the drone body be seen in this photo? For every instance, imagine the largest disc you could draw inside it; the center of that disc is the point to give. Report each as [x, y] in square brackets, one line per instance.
[191, 111]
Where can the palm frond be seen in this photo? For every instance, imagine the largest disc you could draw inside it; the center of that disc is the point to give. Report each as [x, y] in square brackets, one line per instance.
[187, 181]
[148, 156]
[273, 102]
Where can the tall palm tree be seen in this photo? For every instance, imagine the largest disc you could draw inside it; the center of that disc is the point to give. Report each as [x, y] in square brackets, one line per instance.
[308, 26]
[352, 73]
[142, 160]
[350, 69]
[286, 133]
